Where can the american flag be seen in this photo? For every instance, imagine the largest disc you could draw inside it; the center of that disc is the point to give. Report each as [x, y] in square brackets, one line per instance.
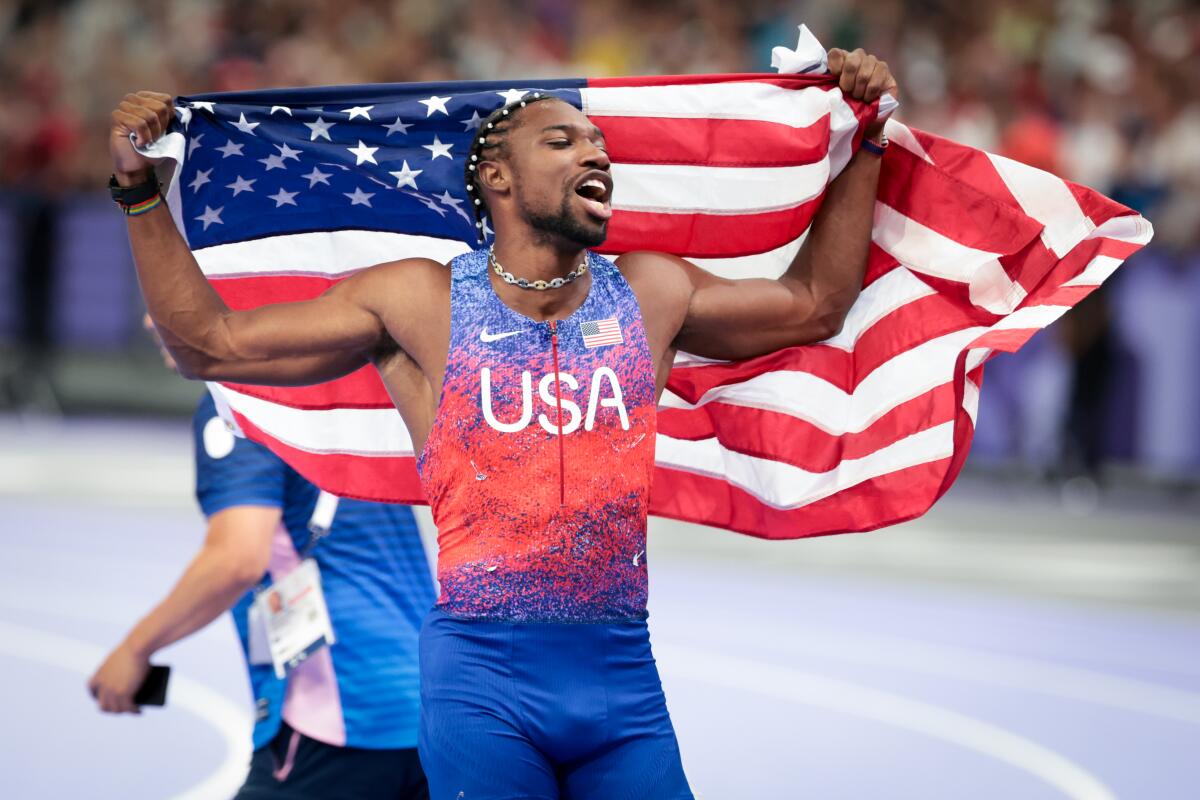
[283, 193]
[601, 332]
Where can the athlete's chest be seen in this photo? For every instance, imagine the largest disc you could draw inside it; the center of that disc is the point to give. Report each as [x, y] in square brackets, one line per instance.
[562, 376]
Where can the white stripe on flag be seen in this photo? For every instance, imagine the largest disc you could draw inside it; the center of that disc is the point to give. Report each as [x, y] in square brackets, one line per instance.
[357, 431]
[805, 396]
[1047, 199]
[674, 189]
[764, 102]
[784, 486]
[328, 254]
[924, 250]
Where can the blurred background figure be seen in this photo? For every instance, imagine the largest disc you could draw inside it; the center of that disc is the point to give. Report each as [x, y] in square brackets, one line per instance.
[344, 721]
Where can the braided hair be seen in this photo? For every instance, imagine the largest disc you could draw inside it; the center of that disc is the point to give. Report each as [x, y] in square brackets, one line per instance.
[492, 136]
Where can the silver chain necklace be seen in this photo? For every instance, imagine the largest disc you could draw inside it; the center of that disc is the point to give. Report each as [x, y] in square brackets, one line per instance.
[539, 285]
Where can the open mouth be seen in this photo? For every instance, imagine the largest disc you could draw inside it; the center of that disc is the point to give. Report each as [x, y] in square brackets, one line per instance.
[595, 189]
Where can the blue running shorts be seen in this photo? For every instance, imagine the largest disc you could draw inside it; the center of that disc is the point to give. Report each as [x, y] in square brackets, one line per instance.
[543, 711]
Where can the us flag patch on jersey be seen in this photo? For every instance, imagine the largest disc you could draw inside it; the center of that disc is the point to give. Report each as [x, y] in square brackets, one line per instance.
[601, 332]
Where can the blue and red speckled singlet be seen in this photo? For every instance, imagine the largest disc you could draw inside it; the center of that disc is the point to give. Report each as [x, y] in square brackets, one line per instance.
[539, 462]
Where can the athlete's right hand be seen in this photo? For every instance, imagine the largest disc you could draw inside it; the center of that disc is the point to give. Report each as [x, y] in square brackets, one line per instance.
[146, 115]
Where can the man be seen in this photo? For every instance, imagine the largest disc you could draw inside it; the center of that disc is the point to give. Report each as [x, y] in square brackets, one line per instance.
[344, 722]
[537, 677]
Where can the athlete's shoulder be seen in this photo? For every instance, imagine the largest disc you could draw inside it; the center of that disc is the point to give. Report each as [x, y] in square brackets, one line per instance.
[406, 280]
[651, 273]
[405, 269]
[663, 266]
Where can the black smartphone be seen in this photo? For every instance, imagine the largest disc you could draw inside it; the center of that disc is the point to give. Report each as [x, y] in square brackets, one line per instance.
[153, 691]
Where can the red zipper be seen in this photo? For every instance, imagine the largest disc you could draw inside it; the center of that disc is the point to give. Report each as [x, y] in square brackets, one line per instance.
[562, 481]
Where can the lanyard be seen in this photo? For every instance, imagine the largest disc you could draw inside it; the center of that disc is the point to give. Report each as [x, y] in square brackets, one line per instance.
[320, 521]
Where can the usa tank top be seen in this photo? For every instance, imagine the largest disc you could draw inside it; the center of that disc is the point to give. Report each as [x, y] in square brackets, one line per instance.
[539, 461]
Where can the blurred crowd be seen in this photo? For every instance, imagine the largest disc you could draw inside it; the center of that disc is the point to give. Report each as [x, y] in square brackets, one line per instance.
[1103, 92]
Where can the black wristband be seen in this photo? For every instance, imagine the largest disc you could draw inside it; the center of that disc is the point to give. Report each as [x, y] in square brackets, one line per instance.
[127, 196]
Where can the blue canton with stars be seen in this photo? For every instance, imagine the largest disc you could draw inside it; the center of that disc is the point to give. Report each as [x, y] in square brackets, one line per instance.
[386, 157]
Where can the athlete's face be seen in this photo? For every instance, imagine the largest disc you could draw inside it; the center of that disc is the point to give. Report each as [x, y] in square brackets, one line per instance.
[561, 181]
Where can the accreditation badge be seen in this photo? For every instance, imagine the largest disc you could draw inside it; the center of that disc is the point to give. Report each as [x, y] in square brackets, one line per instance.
[292, 620]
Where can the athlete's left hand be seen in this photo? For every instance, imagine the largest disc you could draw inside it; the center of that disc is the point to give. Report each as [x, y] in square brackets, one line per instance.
[118, 679]
[863, 77]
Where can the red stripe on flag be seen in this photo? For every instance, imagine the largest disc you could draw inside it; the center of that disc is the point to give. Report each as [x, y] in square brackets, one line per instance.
[956, 210]
[707, 235]
[789, 440]
[385, 479]
[712, 142]
[908, 326]
[895, 497]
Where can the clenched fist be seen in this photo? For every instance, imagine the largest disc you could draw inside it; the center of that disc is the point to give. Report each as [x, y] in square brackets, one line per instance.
[863, 77]
[146, 115]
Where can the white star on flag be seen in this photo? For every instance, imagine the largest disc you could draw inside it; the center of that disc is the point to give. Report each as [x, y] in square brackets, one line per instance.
[284, 109]
[433, 104]
[359, 197]
[358, 111]
[185, 115]
[438, 148]
[316, 176]
[406, 176]
[207, 105]
[193, 143]
[363, 153]
[450, 199]
[241, 185]
[473, 123]
[283, 198]
[319, 128]
[272, 162]
[398, 127]
[210, 216]
[200, 179]
[244, 126]
[512, 95]
[452, 202]
[286, 152]
[230, 148]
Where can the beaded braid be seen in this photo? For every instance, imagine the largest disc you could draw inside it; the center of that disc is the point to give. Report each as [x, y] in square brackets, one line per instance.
[491, 136]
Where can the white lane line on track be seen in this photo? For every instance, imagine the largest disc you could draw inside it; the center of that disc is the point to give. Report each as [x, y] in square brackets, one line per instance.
[996, 669]
[716, 669]
[229, 720]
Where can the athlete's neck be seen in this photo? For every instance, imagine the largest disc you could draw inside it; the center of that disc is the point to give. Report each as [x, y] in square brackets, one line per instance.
[539, 260]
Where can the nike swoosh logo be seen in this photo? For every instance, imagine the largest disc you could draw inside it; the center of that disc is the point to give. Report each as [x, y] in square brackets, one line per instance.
[495, 337]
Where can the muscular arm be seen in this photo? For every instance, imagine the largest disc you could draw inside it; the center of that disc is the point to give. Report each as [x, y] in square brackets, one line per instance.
[234, 557]
[286, 343]
[734, 319]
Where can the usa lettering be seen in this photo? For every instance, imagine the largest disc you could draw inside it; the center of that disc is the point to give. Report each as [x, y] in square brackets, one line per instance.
[604, 392]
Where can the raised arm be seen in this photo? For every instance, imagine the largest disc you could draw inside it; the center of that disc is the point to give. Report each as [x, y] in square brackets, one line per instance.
[808, 303]
[287, 343]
